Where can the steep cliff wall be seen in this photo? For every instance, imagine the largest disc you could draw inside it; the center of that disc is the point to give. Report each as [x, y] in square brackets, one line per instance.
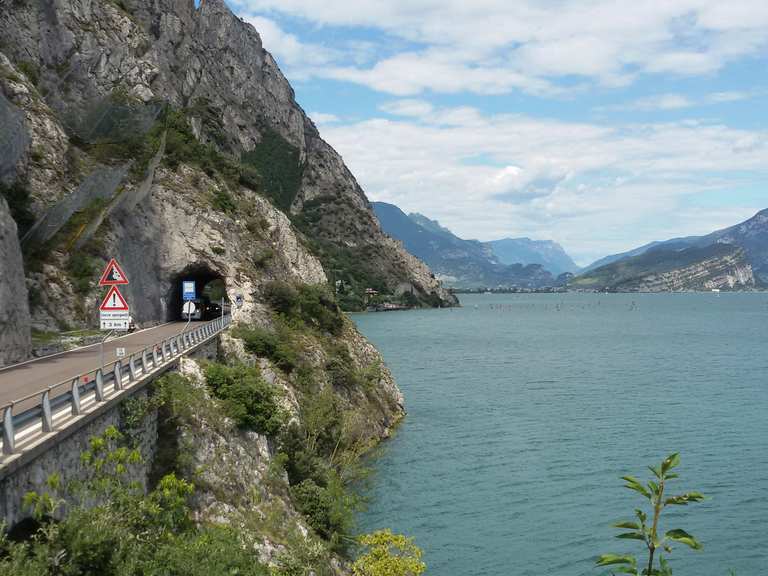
[92, 79]
[165, 135]
[14, 313]
[722, 272]
[717, 266]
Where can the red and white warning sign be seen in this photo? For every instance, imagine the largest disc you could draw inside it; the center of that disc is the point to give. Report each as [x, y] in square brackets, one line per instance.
[113, 312]
[113, 275]
[114, 301]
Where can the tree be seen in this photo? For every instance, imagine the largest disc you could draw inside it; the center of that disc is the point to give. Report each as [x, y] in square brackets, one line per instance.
[654, 492]
[389, 555]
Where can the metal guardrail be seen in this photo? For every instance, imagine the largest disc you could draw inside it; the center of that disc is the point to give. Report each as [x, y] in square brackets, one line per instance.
[41, 411]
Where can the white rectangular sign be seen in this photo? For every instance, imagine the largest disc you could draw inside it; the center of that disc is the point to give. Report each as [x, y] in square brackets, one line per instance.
[120, 352]
[114, 320]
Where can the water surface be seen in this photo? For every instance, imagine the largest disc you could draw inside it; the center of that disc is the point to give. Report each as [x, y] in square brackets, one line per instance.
[523, 411]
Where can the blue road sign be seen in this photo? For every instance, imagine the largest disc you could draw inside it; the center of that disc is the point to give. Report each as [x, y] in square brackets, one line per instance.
[188, 290]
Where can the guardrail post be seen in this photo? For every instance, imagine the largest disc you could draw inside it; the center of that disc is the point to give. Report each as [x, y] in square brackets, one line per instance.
[9, 438]
[162, 351]
[144, 361]
[47, 416]
[177, 341]
[99, 386]
[76, 397]
[118, 373]
[155, 359]
[132, 368]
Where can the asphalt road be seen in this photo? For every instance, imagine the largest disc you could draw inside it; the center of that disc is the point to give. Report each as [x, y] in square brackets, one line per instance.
[23, 379]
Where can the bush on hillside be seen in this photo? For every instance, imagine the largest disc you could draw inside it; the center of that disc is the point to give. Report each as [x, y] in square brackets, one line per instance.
[266, 344]
[247, 398]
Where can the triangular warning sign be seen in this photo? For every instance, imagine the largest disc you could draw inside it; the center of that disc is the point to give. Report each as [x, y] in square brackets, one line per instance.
[113, 275]
[113, 301]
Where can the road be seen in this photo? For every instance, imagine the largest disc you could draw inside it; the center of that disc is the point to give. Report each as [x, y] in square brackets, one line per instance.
[24, 379]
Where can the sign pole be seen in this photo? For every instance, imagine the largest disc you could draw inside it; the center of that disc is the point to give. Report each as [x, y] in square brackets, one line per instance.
[101, 351]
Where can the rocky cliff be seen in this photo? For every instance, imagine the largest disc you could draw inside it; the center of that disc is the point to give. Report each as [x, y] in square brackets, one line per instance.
[750, 235]
[14, 312]
[166, 136]
[663, 269]
[91, 89]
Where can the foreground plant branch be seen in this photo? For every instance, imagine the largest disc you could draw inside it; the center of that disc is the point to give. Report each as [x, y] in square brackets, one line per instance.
[654, 492]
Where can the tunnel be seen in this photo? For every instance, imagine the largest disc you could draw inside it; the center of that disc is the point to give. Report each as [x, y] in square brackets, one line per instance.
[209, 290]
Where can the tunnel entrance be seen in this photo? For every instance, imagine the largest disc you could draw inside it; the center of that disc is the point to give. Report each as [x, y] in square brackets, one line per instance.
[210, 292]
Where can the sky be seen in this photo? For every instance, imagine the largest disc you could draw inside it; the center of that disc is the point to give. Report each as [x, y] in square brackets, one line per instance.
[601, 125]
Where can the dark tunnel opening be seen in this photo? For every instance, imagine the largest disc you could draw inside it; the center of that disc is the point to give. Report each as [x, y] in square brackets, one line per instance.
[209, 289]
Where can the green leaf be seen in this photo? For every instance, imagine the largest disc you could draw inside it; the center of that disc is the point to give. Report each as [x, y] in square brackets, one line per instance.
[629, 525]
[670, 462]
[642, 516]
[653, 486]
[634, 484]
[632, 536]
[684, 499]
[611, 559]
[679, 535]
[655, 471]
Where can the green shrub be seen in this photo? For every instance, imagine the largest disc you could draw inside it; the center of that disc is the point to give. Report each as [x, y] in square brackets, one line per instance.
[266, 344]
[222, 201]
[312, 305]
[30, 70]
[82, 270]
[279, 168]
[123, 531]
[282, 297]
[318, 307]
[328, 509]
[247, 398]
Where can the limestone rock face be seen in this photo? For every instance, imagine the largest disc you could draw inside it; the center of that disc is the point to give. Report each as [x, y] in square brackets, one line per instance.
[725, 272]
[205, 60]
[15, 342]
[718, 266]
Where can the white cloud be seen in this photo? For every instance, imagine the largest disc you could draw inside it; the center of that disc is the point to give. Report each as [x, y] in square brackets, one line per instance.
[660, 102]
[322, 118]
[500, 46]
[408, 107]
[596, 189]
[730, 96]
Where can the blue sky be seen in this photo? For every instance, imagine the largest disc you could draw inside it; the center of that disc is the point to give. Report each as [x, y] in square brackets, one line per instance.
[601, 125]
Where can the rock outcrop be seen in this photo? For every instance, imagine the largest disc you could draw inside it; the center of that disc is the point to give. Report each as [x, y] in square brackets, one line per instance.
[750, 235]
[718, 266]
[15, 342]
[165, 136]
[91, 77]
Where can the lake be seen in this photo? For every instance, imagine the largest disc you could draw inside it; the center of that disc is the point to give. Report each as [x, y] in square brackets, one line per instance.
[524, 411]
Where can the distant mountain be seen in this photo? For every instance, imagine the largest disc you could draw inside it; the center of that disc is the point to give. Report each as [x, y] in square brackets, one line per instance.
[673, 267]
[459, 263]
[526, 251]
[751, 236]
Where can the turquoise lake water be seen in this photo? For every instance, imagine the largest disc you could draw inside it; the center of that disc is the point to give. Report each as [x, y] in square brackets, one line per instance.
[524, 410]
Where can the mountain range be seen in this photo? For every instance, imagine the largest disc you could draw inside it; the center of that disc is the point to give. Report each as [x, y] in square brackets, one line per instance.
[461, 263]
[734, 257]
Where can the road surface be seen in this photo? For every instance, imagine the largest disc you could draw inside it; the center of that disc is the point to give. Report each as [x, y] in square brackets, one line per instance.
[23, 379]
